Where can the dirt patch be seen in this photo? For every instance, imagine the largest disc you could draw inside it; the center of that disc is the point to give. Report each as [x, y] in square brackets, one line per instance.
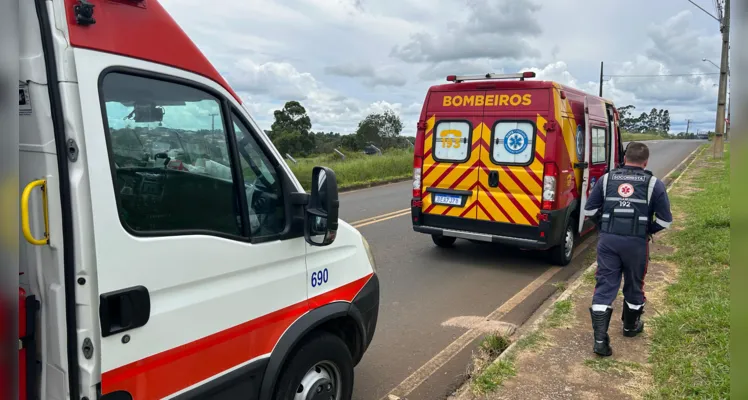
[563, 366]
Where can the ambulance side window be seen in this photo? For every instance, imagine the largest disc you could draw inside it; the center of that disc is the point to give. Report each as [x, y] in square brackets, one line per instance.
[169, 156]
[598, 145]
[264, 192]
[513, 143]
[452, 141]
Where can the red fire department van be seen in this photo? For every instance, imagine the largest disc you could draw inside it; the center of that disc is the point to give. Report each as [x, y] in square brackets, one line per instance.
[508, 159]
[169, 251]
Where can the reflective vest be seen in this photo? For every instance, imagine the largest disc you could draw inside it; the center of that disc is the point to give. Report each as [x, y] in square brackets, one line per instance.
[627, 193]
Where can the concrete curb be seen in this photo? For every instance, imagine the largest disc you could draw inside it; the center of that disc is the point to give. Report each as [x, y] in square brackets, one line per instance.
[464, 393]
[362, 186]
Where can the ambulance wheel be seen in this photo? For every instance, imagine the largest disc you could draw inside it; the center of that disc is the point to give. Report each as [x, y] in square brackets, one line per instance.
[443, 241]
[562, 253]
[320, 368]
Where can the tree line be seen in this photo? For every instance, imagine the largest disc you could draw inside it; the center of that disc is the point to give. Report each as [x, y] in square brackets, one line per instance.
[291, 133]
[656, 121]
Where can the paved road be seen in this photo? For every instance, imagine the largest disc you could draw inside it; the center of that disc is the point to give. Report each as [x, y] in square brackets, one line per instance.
[424, 286]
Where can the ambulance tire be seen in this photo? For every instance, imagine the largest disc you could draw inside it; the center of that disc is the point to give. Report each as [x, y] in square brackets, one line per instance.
[560, 255]
[321, 359]
[443, 241]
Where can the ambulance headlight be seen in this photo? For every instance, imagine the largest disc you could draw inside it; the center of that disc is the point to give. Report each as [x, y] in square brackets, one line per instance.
[369, 253]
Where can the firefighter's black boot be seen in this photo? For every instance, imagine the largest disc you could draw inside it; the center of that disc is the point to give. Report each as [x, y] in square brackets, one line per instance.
[632, 323]
[600, 323]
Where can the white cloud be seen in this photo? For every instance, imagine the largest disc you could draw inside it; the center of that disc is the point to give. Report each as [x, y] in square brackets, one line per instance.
[345, 58]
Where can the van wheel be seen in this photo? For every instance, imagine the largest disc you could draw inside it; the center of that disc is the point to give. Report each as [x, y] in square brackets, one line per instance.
[443, 241]
[321, 368]
[562, 253]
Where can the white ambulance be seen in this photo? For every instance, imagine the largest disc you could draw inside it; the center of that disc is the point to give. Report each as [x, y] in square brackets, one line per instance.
[169, 251]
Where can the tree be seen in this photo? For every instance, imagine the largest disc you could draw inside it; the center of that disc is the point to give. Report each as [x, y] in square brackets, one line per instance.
[290, 131]
[627, 121]
[379, 129]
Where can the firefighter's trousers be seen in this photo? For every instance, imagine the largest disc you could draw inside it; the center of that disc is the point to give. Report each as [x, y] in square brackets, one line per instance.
[617, 257]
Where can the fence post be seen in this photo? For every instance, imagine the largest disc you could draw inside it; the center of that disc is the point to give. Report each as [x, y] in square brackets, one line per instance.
[291, 158]
[339, 153]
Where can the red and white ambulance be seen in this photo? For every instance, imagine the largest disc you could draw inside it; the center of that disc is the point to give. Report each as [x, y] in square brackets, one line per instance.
[169, 251]
[508, 159]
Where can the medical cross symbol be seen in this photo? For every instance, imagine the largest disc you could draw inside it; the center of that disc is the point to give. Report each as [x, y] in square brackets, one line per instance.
[515, 141]
[625, 190]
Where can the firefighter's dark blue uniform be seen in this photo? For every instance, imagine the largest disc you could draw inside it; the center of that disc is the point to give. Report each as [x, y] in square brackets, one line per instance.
[630, 205]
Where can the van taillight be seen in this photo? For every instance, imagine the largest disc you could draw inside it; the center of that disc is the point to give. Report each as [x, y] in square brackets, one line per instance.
[418, 159]
[550, 176]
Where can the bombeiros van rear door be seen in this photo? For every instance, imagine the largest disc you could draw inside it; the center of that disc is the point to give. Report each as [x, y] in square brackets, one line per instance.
[452, 153]
[513, 130]
[189, 257]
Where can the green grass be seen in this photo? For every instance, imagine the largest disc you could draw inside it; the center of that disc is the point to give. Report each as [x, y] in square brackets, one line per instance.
[357, 169]
[494, 344]
[589, 277]
[640, 137]
[560, 314]
[493, 376]
[690, 342]
[560, 285]
[530, 340]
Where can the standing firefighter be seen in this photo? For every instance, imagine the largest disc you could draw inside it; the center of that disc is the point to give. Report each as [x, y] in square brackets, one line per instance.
[630, 205]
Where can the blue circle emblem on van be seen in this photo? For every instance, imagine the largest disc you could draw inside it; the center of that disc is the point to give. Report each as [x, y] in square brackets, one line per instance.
[580, 143]
[515, 141]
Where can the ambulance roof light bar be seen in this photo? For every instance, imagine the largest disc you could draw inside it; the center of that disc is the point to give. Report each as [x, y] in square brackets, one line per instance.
[461, 78]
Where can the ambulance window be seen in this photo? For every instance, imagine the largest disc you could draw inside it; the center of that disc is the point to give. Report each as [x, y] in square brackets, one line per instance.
[170, 157]
[513, 142]
[264, 193]
[598, 145]
[452, 141]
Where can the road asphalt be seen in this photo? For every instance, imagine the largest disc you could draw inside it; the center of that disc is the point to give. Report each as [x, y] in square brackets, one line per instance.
[423, 286]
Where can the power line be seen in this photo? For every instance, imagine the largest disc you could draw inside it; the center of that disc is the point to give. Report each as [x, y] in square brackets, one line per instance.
[658, 75]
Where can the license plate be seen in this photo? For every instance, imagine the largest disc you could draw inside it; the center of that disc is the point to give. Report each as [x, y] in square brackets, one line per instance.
[448, 199]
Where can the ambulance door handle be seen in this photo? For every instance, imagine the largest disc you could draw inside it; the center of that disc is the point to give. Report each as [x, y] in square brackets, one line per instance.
[493, 179]
[25, 224]
[124, 309]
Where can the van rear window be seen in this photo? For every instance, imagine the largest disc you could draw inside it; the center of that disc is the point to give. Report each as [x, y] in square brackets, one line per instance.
[452, 141]
[513, 142]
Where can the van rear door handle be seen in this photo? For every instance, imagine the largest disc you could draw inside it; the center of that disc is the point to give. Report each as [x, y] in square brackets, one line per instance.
[493, 179]
[123, 310]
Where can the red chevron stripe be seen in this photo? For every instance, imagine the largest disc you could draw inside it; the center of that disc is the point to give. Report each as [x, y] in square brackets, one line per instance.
[539, 157]
[464, 175]
[444, 175]
[496, 203]
[427, 155]
[467, 210]
[541, 135]
[428, 171]
[534, 176]
[516, 203]
[521, 185]
[486, 212]
[429, 208]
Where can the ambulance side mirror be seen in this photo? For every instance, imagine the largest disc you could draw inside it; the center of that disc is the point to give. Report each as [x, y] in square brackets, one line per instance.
[321, 219]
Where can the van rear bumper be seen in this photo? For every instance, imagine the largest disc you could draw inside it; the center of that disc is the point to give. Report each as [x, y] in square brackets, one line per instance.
[547, 234]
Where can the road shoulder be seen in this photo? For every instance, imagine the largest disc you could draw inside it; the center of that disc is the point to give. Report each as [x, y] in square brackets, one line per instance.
[551, 357]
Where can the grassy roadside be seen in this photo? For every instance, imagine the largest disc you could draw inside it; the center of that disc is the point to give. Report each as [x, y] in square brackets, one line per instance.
[640, 137]
[358, 169]
[690, 343]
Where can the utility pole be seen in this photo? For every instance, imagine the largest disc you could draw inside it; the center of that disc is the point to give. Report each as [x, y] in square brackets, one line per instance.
[601, 79]
[213, 122]
[688, 125]
[719, 145]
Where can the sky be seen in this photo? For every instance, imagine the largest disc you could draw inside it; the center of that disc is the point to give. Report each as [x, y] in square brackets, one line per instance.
[344, 59]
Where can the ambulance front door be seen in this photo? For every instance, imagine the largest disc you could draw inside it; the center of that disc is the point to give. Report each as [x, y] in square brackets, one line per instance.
[195, 272]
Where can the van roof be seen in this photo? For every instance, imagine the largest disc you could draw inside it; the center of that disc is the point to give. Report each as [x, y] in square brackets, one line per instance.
[143, 30]
[489, 84]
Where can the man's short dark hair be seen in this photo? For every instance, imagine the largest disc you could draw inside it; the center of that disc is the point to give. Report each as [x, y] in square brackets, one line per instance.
[637, 153]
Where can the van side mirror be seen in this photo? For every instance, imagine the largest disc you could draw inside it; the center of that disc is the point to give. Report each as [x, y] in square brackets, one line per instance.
[321, 214]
